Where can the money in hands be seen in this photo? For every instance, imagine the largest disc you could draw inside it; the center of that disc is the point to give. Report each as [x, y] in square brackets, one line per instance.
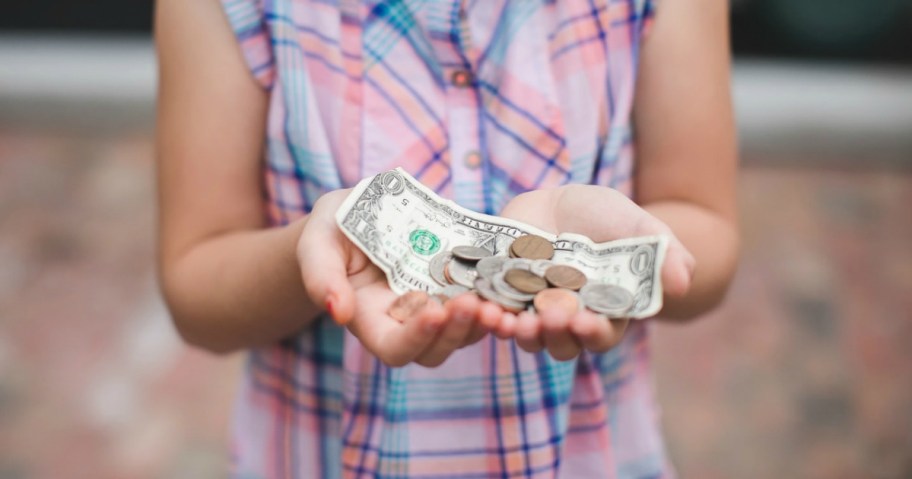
[425, 243]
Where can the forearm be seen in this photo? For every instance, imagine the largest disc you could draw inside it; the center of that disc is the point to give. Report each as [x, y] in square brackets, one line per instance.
[238, 289]
[714, 242]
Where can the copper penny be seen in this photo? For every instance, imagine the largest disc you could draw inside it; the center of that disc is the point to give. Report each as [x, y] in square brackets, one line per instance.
[504, 289]
[563, 276]
[557, 299]
[525, 281]
[405, 306]
[532, 247]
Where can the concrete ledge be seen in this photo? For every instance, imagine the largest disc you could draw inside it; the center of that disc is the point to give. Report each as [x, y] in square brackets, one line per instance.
[824, 110]
[99, 84]
[91, 84]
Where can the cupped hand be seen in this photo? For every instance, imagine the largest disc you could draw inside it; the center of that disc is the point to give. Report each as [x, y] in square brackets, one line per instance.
[340, 277]
[602, 214]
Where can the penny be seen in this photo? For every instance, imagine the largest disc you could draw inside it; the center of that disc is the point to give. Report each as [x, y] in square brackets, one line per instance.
[532, 247]
[539, 266]
[440, 298]
[563, 276]
[556, 299]
[461, 273]
[525, 281]
[486, 290]
[488, 267]
[608, 299]
[504, 289]
[470, 253]
[405, 306]
[437, 267]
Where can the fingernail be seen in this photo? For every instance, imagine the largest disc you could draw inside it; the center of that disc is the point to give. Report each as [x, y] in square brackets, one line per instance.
[329, 307]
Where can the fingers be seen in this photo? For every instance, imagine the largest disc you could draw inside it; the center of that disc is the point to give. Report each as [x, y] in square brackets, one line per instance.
[506, 328]
[397, 344]
[561, 344]
[461, 315]
[476, 334]
[324, 256]
[595, 332]
[489, 319]
[528, 332]
[451, 338]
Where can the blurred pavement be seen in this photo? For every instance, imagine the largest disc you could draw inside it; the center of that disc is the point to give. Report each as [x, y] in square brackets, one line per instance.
[803, 372]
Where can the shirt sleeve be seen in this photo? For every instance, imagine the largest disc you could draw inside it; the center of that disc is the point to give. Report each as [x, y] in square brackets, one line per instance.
[248, 20]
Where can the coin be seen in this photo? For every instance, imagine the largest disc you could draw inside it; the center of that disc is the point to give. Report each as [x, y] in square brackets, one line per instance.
[488, 267]
[557, 299]
[608, 299]
[504, 289]
[563, 276]
[517, 263]
[440, 298]
[532, 247]
[437, 266]
[486, 290]
[453, 290]
[539, 266]
[461, 273]
[470, 253]
[405, 306]
[525, 281]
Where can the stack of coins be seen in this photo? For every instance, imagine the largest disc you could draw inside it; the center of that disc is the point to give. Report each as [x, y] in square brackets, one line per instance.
[527, 279]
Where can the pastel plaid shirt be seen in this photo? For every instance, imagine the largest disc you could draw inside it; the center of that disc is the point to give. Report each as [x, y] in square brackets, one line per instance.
[481, 100]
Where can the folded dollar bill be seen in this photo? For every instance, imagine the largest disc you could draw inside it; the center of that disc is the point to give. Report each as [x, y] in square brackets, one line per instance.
[401, 225]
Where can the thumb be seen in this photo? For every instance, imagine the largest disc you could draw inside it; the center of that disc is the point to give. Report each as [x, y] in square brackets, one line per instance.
[323, 261]
[677, 272]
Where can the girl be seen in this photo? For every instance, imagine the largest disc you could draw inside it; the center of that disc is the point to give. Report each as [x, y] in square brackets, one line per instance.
[552, 112]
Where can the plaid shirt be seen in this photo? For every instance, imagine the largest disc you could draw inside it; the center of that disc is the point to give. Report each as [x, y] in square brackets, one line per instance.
[481, 100]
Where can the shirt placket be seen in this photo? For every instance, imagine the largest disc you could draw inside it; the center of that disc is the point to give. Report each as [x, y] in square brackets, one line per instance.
[457, 56]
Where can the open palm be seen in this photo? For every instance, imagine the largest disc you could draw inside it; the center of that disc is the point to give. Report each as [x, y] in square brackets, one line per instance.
[602, 214]
[355, 292]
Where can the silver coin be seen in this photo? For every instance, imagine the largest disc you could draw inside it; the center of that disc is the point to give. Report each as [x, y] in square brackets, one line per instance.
[470, 253]
[488, 267]
[608, 299]
[438, 265]
[504, 289]
[539, 266]
[487, 291]
[461, 273]
[517, 263]
[453, 290]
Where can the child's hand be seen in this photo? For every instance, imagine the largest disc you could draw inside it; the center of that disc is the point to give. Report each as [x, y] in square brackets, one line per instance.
[356, 294]
[601, 214]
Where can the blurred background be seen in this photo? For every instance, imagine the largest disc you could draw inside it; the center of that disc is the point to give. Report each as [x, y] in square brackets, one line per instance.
[804, 372]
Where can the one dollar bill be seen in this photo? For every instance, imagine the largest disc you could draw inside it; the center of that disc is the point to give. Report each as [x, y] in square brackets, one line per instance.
[400, 225]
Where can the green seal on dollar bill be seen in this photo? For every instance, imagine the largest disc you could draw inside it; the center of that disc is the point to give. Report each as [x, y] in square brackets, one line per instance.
[424, 242]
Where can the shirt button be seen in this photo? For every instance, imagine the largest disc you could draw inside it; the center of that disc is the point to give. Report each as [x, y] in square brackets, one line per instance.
[473, 160]
[462, 78]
